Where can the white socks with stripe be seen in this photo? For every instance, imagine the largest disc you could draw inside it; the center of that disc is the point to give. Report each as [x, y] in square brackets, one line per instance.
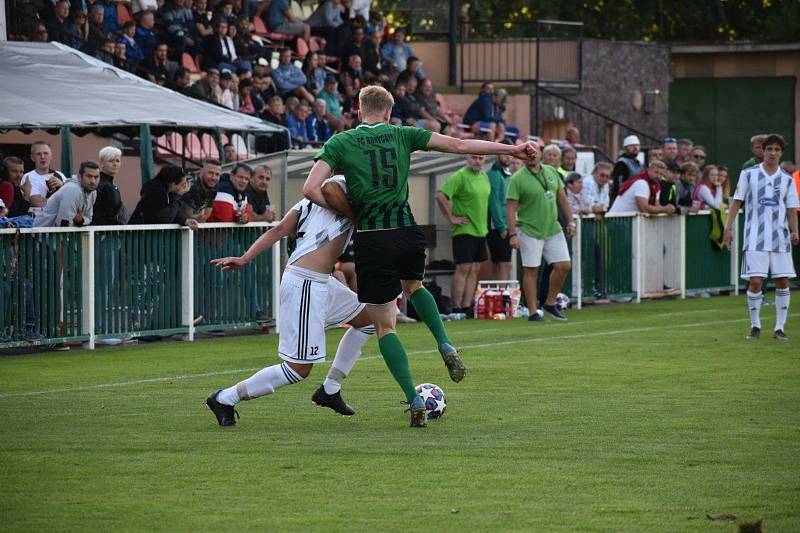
[347, 354]
[754, 306]
[263, 382]
[781, 307]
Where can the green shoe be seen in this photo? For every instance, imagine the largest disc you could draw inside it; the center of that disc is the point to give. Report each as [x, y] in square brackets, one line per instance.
[452, 360]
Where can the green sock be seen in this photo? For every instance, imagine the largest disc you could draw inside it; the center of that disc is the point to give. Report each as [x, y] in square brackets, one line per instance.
[426, 308]
[396, 359]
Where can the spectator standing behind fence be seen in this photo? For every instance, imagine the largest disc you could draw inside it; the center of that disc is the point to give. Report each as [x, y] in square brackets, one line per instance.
[756, 148]
[257, 195]
[43, 180]
[669, 150]
[640, 194]
[230, 203]
[497, 238]
[535, 194]
[464, 201]
[685, 147]
[596, 187]
[198, 202]
[684, 188]
[627, 165]
[568, 158]
[10, 189]
[770, 231]
[108, 207]
[574, 186]
[160, 202]
[73, 203]
[669, 187]
[708, 193]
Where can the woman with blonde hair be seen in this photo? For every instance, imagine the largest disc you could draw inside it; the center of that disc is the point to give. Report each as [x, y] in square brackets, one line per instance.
[108, 208]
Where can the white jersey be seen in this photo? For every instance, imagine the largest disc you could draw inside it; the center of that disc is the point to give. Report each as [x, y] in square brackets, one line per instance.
[318, 226]
[766, 199]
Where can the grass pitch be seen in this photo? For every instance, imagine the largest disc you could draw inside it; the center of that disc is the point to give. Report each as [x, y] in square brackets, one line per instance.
[627, 418]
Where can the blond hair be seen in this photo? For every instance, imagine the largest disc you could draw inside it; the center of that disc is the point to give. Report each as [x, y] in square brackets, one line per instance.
[658, 164]
[375, 100]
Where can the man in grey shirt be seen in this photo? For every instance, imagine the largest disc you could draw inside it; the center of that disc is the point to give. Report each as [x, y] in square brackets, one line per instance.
[72, 204]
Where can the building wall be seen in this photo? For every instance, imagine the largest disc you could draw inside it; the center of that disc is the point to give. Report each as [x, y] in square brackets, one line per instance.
[716, 62]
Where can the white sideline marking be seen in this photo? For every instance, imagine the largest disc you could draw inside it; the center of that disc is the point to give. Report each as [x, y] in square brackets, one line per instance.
[689, 312]
[418, 352]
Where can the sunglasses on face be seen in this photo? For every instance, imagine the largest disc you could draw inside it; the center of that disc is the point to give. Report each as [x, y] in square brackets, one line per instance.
[698, 156]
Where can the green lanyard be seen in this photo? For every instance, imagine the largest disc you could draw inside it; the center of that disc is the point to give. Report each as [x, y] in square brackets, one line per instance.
[540, 179]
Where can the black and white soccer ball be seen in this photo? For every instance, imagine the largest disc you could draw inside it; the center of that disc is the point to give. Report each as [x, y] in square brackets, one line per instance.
[562, 301]
[434, 398]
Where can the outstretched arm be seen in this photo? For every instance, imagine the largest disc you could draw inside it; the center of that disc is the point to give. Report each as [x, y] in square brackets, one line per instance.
[444, 143]
[285, 227]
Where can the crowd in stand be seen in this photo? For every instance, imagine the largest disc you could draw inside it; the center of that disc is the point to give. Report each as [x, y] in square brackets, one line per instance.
[237, 54]
[45, 197]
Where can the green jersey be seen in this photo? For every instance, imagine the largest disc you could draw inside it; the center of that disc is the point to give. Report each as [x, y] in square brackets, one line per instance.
[374, 159]
[469, 196]
[537, 211]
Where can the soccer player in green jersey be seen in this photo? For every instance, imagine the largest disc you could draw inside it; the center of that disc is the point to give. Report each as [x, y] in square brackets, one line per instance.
[389, 247]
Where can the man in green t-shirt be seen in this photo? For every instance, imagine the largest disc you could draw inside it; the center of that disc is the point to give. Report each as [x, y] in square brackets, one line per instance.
[464, 201]
[535, 193]
[389, 247]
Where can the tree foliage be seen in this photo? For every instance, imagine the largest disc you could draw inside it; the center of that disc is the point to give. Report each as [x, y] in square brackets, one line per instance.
[707, 21]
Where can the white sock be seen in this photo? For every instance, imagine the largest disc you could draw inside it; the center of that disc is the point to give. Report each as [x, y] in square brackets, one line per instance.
[263, 382]
[781, 307]
[754, 306]
[347, 354]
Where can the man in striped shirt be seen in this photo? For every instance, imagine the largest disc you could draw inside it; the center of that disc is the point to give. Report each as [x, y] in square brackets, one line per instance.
[770, 230]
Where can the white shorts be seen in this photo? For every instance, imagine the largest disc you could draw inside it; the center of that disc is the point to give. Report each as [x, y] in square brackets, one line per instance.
[311, 302]
[554, 249]
[760, 264]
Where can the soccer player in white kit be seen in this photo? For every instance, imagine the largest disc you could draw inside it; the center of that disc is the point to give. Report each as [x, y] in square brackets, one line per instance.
[311, 301]
[770, 230]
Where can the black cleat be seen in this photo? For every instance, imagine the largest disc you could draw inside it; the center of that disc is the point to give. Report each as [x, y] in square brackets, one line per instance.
[452, 360]
[224, 413]
[754, 333]
[780, 335]
[332, 401]
[419, 417]
[553, 311]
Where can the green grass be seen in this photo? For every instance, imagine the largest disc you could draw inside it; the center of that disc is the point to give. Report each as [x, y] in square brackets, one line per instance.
[626, 418]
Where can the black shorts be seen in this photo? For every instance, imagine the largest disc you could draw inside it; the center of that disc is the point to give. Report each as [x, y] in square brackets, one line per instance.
[499, 248]
[469, 249]
[383, 258]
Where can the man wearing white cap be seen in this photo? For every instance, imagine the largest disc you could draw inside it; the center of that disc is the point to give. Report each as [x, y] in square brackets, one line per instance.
[627, 165]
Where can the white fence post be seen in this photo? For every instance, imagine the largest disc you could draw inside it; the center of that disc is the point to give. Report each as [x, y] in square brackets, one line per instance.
[577, 280]
[276, 282]
[87, 286]
[735, 247]
[187, 280]
[637, 257]
[682, 275]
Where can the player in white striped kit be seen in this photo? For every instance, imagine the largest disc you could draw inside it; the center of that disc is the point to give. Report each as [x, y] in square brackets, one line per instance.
[770, 230]
[311, 300]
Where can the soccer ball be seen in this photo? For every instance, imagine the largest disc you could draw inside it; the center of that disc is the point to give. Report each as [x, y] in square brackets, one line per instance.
[434, 398]
[562, 301]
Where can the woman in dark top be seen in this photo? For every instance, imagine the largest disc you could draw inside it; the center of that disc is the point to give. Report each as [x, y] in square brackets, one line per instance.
[108, 207]
[161, 199]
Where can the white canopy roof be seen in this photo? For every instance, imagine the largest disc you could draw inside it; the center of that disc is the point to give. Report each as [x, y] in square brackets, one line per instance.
[48, 85]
